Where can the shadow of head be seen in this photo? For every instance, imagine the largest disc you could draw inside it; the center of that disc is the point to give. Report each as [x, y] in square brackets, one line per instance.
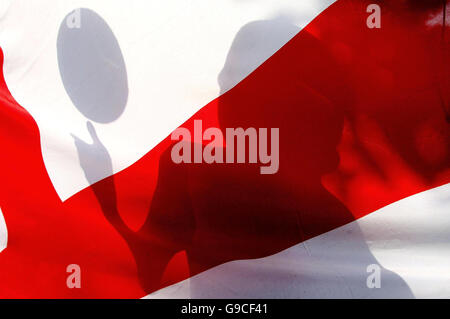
[283, 90]
[91, 66]
[254, 43]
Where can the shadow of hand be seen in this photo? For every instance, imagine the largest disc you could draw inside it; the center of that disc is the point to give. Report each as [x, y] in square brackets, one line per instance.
[94, 158]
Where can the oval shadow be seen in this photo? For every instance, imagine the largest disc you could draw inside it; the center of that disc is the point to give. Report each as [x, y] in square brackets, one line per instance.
[92, 66]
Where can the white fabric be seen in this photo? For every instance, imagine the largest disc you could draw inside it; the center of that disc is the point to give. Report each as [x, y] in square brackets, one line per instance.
[3, 232]
[409, 240]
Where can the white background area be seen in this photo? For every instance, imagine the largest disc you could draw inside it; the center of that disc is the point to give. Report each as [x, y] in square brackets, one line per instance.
[3, 232]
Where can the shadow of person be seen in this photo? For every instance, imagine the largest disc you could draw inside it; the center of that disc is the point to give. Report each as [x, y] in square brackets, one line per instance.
[224, 212]
[94, 75]
[218, 213]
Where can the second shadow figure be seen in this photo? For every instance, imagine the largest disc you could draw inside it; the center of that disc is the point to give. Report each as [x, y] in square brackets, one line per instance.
[219, 213]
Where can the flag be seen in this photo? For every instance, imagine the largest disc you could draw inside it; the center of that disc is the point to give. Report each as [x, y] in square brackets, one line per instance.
[350, 96]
